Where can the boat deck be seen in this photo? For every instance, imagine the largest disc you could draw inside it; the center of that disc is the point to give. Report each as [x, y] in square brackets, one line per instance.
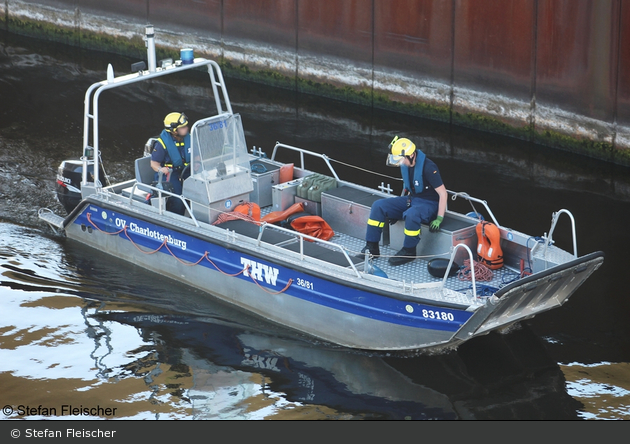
[412, 272]
[417, 271]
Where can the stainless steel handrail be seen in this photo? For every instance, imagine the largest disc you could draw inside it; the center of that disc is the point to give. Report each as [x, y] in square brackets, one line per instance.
[303, 236]
[160, 192]
[472, 267]
[90, 115]
[455, 195]
[302, 151]
[554, 220]
[327, 160]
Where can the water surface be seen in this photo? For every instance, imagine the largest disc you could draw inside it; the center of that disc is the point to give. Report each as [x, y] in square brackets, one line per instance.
[80, 328]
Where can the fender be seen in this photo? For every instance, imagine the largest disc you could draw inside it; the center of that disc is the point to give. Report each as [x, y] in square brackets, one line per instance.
[489, 250]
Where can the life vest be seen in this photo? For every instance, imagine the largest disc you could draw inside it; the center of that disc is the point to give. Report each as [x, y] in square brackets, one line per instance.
[249, 209]
[306, 223]
[173, 149]
[417, 186]
[313, 226]
[278, 216]
[489, 250]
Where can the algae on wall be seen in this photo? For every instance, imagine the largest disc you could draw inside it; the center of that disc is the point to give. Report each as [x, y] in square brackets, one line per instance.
[245, 61]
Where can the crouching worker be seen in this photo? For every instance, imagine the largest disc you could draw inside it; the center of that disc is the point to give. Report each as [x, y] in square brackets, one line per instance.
[171, 154]
[423, 201]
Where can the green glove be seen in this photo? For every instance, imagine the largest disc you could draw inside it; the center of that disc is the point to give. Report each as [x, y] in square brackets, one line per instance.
[435, 225]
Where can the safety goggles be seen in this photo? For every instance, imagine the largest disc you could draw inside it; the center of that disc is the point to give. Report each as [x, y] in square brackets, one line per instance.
[394, 160]
[182, 121]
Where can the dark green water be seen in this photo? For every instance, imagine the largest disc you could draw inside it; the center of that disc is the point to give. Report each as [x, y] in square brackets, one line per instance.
[79, 328]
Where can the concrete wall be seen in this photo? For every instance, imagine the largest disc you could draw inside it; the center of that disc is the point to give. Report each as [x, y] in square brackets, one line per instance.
[552, 71]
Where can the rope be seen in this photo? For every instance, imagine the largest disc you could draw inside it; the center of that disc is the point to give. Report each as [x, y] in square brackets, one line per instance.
[89, 218]
[367, 171]
[100, 161]
[226, 216]
[223, 272]
[356, 253]
[482, 272]
[286, 287]
[142, 251]
[189, 264]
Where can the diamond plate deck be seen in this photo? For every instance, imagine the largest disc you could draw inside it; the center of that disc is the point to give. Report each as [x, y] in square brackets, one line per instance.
[416, 271]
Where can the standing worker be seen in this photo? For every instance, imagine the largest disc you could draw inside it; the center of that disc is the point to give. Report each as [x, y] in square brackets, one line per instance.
[171, 151]
[423, 201]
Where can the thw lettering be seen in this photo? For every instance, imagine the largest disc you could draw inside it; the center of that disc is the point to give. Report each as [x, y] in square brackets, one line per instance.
[260, 271]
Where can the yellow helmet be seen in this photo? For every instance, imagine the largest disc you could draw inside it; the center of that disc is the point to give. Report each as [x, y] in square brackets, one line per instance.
[399, 148]
[175, 120]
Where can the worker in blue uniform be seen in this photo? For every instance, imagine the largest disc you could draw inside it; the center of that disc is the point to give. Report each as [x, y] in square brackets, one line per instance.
[171, 156]
[423, 201]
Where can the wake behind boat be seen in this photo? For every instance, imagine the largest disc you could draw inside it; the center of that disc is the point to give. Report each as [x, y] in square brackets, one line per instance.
[280, 265]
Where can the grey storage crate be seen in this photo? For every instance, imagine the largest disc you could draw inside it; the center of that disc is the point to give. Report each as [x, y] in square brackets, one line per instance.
[454, 230]
[347, 209]
[283, 194]
[264, 176]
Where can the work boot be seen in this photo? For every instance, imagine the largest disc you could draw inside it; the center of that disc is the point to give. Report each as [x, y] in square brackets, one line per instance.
[373, 247]
[403, 256]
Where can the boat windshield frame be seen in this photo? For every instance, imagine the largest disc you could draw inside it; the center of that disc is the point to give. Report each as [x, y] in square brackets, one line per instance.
[91, 148]
[218, 147]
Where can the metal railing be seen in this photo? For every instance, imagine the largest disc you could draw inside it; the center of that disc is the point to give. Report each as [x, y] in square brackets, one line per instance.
[262, 227]
[554, 220]
[326, 159]
[91, 100]
[455, 195]
[108, 192]
[472, 267]
[302, 237]
[302, 151]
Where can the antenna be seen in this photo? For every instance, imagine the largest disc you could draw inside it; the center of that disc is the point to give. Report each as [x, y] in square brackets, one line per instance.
[150, 42]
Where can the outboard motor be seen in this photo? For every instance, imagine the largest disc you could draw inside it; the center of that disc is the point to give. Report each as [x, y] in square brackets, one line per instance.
[69, 176]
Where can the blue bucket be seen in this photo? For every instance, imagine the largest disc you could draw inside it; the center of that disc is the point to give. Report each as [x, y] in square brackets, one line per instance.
[186, 55]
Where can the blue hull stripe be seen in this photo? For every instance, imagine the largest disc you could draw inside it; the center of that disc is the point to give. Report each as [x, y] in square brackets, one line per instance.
[270, 276]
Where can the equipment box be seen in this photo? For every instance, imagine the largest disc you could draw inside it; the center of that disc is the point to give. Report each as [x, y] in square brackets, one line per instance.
[455, 229]
[264, 176]
[347, 209]
[283, 194]
[310, 206]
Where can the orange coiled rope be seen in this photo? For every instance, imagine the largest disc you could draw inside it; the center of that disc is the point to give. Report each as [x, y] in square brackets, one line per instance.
[482, 272]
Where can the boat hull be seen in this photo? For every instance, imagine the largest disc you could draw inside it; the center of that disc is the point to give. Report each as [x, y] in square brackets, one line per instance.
[324, 308]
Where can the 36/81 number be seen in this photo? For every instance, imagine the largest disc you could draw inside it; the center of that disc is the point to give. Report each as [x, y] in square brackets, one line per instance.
[440, 315]
[304, 283]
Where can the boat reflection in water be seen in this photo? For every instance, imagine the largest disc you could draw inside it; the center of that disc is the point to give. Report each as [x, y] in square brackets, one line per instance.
[232, 372]
[228, 364]
[124, 338]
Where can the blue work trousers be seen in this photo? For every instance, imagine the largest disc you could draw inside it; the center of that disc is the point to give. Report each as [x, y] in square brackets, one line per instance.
[173, 203]
[419, 211]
